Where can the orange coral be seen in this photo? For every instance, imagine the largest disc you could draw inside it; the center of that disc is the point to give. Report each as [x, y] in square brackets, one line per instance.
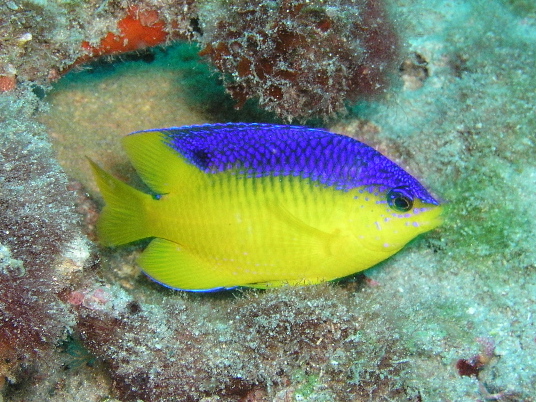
[137, 30]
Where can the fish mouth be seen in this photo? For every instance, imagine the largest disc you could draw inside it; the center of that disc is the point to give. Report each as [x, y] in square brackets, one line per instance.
[435, 217]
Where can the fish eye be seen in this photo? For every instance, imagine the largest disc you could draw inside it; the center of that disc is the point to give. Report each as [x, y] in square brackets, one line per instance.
[400, 199]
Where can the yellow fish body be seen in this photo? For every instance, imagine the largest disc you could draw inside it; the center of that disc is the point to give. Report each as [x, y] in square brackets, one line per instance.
[260, 205]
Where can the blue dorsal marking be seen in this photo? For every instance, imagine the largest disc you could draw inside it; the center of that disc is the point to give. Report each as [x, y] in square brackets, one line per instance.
[259, 150]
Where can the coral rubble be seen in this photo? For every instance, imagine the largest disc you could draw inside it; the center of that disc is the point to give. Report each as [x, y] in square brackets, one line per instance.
[292, 341]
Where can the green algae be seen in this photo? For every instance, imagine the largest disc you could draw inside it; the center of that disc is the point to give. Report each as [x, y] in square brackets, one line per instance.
[307, 387]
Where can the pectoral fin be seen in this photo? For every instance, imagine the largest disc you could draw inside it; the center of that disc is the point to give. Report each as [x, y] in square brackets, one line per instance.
[319, 240]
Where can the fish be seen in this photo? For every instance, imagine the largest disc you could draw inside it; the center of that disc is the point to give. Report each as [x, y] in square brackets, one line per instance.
[260, 205]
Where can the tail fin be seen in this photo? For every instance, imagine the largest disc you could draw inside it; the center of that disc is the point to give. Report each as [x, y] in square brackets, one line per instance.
[123, 219]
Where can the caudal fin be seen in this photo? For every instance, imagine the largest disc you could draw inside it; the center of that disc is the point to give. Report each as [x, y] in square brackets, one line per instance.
[123, 219]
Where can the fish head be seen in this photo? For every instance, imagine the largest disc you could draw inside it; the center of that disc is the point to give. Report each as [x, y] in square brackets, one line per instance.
[386, 219]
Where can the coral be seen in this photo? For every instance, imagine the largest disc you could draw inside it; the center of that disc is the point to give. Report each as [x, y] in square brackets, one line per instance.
[463, 121]
[38, 240]
[37, 38]
[302, 59]
[42, 40]
[138, 29]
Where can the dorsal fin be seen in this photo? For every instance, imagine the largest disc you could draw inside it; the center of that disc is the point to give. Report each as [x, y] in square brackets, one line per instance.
[159, 165]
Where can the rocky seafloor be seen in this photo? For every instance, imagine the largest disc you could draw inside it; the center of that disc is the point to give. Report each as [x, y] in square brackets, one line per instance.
[449, 318]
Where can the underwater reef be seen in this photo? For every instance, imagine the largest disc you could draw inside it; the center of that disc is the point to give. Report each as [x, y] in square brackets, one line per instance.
[449, 318]
[298, 59]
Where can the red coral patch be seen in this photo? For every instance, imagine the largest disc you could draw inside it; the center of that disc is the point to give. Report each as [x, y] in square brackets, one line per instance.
[138, 30]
